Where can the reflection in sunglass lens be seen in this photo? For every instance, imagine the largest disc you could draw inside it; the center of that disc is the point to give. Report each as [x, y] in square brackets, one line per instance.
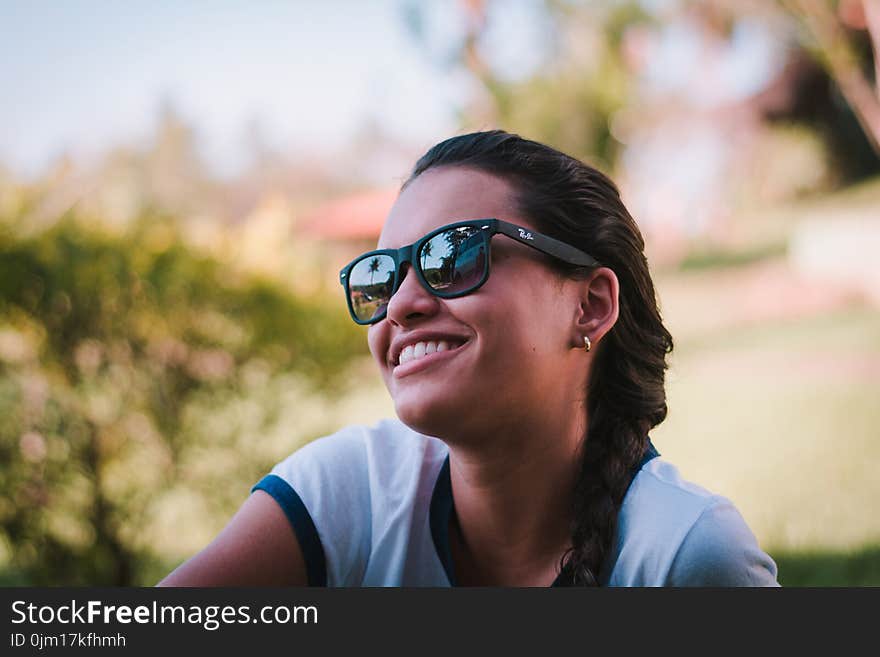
[370, 285]
[454, 260]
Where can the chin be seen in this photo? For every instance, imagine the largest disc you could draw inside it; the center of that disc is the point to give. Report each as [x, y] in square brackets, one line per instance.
[431, 417]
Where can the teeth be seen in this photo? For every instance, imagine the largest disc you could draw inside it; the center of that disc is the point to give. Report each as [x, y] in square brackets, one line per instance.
[421, 349]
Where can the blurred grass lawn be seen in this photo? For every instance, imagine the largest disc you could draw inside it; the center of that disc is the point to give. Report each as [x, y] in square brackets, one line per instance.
[782, 417]
[829, 568]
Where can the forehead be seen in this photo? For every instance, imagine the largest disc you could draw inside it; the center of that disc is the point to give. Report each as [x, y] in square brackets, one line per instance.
[442, 196]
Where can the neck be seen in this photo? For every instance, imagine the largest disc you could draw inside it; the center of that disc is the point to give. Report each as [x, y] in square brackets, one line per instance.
[513, 498]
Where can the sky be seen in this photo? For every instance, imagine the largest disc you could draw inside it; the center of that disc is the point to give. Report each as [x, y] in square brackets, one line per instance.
[80, 76]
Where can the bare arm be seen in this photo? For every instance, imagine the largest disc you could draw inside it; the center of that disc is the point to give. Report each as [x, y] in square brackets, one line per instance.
[257, 548]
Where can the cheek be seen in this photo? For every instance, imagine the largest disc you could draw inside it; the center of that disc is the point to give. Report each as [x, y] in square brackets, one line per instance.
[511, 341]
[526, 332]
[525, 320]
[377, 340]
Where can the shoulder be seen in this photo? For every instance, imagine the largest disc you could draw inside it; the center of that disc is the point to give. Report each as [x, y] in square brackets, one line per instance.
[720, 550]
[660, 492]
[340, 490]
[673, 532]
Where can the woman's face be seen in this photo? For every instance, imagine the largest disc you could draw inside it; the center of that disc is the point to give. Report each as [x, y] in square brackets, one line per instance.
[508, 343]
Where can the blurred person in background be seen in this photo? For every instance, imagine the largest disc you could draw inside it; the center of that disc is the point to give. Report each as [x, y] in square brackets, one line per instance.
[514, 321]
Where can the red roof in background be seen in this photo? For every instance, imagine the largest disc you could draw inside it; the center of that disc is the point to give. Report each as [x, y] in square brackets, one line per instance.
[355, 217]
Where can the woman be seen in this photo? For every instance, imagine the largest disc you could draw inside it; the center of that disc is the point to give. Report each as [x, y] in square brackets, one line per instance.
[514, 321]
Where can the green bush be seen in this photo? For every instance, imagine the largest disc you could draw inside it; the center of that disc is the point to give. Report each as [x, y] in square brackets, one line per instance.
[137, 378]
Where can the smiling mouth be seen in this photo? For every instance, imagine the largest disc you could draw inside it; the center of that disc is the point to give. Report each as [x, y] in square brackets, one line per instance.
[420, 350]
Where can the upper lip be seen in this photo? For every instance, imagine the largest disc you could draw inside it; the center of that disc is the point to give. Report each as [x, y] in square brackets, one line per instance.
[406, 339]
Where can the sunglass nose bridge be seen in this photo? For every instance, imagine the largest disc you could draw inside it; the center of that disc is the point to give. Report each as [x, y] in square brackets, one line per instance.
[405, 257]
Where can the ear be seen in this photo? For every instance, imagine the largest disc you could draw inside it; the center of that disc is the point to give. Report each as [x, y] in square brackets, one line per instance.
[599, 306]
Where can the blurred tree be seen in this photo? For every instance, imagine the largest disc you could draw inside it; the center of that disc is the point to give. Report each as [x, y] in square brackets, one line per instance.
[835, 31]
[569, 98]
[137, 379]
[584, 75]
[814, 101]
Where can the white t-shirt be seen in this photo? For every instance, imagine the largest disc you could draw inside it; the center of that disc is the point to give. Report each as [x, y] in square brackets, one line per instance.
[371, 506]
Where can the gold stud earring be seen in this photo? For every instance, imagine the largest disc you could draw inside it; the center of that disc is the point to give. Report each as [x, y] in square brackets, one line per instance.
[587, 344]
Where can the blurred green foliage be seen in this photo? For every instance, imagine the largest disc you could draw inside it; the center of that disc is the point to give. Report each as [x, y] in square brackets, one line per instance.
[570, 104]
[823, 568]
[118, 352]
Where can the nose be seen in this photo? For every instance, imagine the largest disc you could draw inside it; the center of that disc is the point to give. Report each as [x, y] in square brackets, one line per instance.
[411, 301]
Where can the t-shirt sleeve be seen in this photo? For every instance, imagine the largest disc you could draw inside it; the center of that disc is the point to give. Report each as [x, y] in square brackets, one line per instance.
[323, 489]
[720, 550]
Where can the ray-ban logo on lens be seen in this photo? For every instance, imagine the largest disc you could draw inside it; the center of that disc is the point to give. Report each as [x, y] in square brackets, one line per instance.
[525, 234]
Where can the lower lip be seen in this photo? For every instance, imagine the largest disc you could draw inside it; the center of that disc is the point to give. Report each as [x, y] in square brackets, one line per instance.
[417, 365]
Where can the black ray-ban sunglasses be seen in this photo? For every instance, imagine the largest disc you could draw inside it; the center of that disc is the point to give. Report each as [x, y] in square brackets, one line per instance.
[450, 262]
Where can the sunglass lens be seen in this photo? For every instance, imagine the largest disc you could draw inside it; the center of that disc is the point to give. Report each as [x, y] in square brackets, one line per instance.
[370, 285]
[455, 260]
